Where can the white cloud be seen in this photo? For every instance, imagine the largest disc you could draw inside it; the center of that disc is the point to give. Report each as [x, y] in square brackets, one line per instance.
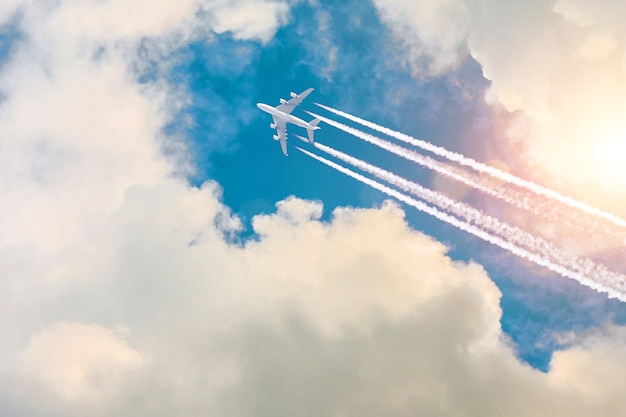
[77, 133]
[93, 21]
[283, 323]
[561, 63]
[433, 32]
[79, 362]
[72, 155]
[597, 46]
[110, 20]
[250, 19]
[77, 130]
[8, 8]
[563, 66]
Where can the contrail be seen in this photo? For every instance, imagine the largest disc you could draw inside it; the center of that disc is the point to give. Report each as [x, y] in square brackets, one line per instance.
[520, 199]
[513, 234]
[480, 167]
[428, 162]
[474, 230]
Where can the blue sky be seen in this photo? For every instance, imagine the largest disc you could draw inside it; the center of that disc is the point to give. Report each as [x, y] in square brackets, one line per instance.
[157, 248]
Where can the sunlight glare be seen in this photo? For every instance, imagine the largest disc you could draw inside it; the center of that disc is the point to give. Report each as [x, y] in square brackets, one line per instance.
[609, 156]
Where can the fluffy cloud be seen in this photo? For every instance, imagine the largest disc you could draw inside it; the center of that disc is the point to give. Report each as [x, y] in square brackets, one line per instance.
[560, 63]
[250, 19]
[77, 129]
[282, 324]
[110, 20]
[79, 362]
[77, 132]
[563, 66]
[433, 32]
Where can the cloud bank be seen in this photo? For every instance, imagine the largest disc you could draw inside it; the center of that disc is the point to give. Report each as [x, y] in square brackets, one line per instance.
[165, 316]
[124, 292]
[561, 64]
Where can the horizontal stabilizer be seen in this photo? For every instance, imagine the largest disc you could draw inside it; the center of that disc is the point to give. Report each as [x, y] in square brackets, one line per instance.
[315, 122]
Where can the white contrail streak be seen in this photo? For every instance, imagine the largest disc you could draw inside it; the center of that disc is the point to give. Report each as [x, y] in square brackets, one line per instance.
[522, 199]
[478, 166]
[474, 230]
[428, 162]
[513, 234]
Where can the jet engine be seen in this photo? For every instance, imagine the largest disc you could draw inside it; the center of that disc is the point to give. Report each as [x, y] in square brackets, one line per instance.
[276, 137]
[283, 101]
[292, 94]
[272, 126]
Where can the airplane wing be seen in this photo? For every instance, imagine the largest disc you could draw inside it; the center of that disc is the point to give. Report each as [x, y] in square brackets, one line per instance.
[281, 130]
[288, 106]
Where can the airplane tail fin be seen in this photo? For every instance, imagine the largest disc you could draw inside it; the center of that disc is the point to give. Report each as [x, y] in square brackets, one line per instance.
[310, 132]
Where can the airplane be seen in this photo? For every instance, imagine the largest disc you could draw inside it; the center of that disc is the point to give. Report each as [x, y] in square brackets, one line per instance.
[281, 115]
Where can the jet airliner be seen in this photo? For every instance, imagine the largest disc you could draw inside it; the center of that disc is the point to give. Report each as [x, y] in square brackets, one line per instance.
[281, 115]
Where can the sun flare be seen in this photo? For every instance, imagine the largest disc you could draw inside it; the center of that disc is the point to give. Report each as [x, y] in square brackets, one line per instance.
[608, 157]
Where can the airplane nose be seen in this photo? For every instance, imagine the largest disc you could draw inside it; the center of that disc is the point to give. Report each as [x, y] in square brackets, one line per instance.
[258, 105]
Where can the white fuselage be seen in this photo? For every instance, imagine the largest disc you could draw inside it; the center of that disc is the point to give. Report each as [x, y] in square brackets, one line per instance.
[288, 118]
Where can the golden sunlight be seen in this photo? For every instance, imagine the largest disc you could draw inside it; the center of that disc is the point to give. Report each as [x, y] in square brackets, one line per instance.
[608, 155]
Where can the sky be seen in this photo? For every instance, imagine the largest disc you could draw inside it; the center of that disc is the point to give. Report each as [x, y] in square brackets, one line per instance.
[160, 256]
